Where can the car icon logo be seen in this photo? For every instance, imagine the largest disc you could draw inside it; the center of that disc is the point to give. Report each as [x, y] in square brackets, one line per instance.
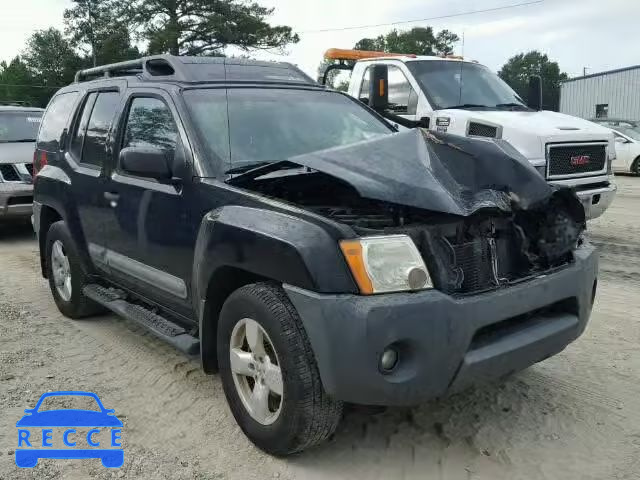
[39, 429]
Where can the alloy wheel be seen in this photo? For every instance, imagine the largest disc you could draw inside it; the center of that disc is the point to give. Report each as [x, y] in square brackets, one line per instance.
[256, 371]
[61, 270]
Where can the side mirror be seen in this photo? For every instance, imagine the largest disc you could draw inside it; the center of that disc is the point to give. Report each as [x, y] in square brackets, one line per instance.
[148, 162]
[379, 88]
[535, 93]
[621, 140]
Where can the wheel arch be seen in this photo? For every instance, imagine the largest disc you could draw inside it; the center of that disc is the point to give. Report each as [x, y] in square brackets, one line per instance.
[48, 216]
[222, 283]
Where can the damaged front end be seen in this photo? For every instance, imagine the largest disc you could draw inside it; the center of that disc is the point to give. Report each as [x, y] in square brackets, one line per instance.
[479, 214]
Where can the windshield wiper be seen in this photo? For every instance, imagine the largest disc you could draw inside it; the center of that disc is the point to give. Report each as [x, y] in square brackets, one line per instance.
[467, 105]
[513, 105]
[247, 167]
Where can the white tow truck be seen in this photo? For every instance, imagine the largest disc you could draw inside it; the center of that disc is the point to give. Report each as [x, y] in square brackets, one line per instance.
[461, 97]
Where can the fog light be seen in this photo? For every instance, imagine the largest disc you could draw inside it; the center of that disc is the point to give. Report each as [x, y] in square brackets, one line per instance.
[388, 359]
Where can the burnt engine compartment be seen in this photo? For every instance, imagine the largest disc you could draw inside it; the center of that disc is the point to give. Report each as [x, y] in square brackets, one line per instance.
[465, 255]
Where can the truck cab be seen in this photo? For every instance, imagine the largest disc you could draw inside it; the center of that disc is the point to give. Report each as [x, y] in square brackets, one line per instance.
[456, 96]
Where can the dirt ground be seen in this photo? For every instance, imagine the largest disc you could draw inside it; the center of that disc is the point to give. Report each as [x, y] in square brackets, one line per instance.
[574, 416]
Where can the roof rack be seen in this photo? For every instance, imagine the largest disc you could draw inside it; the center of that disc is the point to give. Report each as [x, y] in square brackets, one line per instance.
[159, 65]
[200, 70]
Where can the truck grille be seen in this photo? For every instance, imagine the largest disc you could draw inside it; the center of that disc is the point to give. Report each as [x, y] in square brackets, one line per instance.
[9, 173]
[576, 159]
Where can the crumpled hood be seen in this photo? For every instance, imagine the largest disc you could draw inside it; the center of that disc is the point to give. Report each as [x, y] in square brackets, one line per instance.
[437, 172]
[17, 152]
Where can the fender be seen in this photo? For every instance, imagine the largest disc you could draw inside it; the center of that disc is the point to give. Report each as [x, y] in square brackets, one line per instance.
[269, 244]
[54, 191]
[265, 244]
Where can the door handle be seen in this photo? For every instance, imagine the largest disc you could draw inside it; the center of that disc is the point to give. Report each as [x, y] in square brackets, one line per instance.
[112, 198]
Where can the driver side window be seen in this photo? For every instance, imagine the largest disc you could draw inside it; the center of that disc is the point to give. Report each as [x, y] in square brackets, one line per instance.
[150, 124]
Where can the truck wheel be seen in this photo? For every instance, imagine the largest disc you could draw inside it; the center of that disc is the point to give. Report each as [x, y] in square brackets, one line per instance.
[269, 372]
[65, 274]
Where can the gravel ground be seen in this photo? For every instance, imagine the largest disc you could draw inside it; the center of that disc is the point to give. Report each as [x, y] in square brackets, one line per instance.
[574, 416]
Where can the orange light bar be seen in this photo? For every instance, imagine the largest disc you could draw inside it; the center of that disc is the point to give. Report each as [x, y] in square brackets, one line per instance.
[344, 54]
[352, 250]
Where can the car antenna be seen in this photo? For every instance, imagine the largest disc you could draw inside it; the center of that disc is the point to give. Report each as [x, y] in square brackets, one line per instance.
[461, 62]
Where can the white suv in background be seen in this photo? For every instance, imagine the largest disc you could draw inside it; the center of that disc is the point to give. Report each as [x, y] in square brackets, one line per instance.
[627, 133]
[18, 130]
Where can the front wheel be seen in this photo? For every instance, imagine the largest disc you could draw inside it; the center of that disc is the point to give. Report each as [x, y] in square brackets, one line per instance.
[269, 373]
[635, 168]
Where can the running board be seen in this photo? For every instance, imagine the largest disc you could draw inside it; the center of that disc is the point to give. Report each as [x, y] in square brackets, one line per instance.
[115, 300]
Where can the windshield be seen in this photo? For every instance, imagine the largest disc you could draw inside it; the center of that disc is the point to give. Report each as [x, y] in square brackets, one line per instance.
[19, 126]
[272, 124]
[633, 132]
[450, 84]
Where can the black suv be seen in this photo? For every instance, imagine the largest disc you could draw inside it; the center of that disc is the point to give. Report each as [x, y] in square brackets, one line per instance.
[297, 243]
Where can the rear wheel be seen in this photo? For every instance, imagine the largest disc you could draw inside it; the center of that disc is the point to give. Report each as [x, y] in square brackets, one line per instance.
[269, 373]
[635, 168]
[66, 275]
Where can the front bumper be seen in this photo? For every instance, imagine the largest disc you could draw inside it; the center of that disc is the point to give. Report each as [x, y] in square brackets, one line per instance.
[16, 200]
[596, 201]
[444, 343]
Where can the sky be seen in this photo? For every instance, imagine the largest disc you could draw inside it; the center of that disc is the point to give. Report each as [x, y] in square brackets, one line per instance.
[597, 34]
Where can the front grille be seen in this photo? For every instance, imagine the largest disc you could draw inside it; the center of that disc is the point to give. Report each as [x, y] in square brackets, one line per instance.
[9, 173]
[481, 130]
[20, 200]
[473, 259]
[576, 159]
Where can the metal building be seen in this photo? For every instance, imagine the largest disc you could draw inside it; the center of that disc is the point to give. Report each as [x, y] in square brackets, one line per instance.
[612, 94]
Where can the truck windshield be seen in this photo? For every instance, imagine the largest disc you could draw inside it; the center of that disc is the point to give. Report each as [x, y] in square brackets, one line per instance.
[251, 126]
[450, 84]
[19, 126]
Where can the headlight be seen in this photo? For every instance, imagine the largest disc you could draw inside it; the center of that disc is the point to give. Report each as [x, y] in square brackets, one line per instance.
[386, 264]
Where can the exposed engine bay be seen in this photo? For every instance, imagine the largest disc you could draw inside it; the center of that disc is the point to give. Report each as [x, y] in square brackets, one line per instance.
[479, 214]
[464, 254]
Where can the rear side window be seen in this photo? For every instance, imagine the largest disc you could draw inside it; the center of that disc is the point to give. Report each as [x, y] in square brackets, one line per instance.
[150, 123]
[55, 121]
[77, 141]
[94, 151]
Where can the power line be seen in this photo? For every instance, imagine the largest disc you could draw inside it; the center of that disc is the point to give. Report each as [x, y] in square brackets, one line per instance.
[452, 15]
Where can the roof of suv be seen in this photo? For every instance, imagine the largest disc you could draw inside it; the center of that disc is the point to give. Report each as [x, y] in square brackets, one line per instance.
[192, 70]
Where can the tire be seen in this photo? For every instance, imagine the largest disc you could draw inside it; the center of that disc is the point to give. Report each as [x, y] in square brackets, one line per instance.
[306, 414]
[635, 167]
[77, 305]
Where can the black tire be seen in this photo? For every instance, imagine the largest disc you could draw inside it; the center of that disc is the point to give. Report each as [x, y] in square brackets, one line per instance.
[78, 306]
[308, 415]
[635, 167]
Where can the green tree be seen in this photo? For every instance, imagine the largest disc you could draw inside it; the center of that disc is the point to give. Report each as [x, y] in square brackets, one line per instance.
[51, 61]
[418, 40]
[519, 68]
[205, 27]
[95, 28]
[17, 83]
